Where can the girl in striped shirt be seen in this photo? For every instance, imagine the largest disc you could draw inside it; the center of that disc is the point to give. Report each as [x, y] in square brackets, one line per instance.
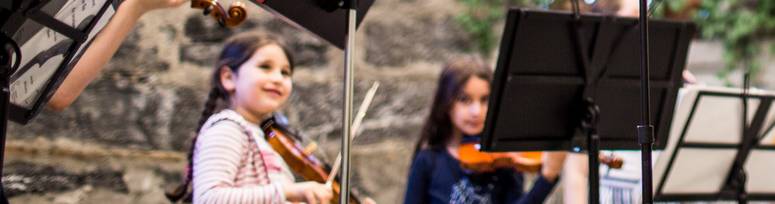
[230, 161]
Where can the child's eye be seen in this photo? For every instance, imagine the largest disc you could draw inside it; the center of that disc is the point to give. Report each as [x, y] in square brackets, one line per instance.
[264, 66]
[464, 99]
[286, 72]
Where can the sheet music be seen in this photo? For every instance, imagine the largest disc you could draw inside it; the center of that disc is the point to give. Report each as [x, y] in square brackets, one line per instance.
[100, 24]
[769, 135]
[769, 138]
[760, 164]
[760, 168]
[699, 170]
[43, 52]
[726, 108]
[717, 119]
[41, 56]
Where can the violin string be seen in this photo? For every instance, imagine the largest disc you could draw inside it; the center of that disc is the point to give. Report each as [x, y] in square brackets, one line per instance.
[356, 125]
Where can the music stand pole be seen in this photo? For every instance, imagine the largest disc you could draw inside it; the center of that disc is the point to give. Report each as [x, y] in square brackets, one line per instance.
[589, 126]
[344, 188]
[645, 129]
[5, 100]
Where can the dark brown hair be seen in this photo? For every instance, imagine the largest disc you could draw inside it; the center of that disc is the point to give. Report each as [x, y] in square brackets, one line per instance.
[438, 126]
[236, 51]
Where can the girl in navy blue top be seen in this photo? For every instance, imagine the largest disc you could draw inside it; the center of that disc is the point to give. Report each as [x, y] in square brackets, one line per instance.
[459, 108]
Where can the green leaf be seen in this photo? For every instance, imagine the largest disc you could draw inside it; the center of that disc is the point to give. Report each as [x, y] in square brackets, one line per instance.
[675, 5]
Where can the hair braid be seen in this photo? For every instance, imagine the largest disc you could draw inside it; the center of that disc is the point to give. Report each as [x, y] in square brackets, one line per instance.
[182, 191]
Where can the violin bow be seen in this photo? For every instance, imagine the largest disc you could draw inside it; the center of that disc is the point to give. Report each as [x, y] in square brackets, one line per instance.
[356, 125]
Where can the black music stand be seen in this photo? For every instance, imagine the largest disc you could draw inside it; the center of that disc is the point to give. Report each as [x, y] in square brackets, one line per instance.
[42, 40]
[335, 21]
[710, 159]
[568, 83]
[326, 19]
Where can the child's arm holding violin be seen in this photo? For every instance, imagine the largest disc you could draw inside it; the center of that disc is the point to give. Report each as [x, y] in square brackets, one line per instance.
[103, 47]
[217, 158]
[549, 174]
[552, 165]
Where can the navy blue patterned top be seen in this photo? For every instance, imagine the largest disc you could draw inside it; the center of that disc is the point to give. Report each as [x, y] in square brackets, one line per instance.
[437, 177]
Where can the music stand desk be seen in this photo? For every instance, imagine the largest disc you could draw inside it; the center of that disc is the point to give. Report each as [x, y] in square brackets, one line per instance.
[705, 140]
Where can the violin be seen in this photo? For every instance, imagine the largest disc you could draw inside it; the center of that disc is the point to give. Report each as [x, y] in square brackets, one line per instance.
[235, 15]
[474, 160]
[299, 159]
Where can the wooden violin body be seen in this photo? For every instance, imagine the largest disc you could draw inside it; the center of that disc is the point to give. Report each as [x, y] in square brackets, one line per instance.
[299, 161]
[474, 160]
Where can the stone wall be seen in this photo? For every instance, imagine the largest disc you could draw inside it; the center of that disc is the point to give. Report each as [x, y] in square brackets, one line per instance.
[125, 138]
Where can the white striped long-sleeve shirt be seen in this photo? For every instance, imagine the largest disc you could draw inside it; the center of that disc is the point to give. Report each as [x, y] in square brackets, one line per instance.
[233, 163]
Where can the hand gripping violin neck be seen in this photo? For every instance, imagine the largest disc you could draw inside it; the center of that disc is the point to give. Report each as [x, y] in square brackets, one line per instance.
[300, 161]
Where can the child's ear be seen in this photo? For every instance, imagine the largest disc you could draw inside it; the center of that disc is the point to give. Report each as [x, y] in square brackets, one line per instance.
[227, 79]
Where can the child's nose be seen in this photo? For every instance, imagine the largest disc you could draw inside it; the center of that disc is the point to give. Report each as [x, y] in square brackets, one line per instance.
[276, 75]
[475, 108]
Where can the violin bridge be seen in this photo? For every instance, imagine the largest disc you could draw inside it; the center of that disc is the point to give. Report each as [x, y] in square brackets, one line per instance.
[311, 147]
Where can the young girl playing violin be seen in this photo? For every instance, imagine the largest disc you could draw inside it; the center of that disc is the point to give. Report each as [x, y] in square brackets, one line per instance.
[458, 113]
[230, 161]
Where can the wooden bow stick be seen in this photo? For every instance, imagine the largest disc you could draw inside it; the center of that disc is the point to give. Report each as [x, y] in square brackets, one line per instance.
[356, 124]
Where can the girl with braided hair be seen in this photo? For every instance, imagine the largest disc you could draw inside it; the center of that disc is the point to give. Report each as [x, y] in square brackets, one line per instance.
[230, 161]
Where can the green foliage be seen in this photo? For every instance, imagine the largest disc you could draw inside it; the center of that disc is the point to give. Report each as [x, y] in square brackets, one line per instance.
[741, 25]
[480, 16]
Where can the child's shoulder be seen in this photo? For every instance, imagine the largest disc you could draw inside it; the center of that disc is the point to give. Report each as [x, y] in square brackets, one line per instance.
[225, 127]
[227, 122]
[427, 155]
[227, 118]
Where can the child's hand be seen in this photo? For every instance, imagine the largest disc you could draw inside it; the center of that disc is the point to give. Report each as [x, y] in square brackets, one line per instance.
[552, 167]
[143, 6]
[368, 200]
[308, 192]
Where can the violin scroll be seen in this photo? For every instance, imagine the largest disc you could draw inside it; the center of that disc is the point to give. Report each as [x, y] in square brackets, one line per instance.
[235, 15]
